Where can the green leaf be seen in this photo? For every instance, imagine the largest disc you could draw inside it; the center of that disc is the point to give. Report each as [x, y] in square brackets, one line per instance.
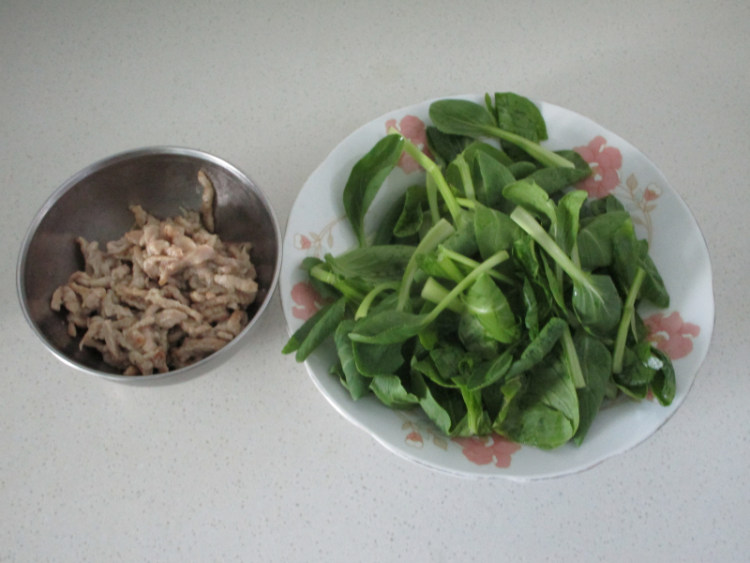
[525, 253]
[325, 291]
[485, 301]
[596, 364]
[388, 327]
[462, 117]
[366, 178]
[458, 175]
[607, 204]
[445, 407]
[493, 231]
[629, 254]
[531, 307]
[628, 311]
[475, 337]
[412, 215]
[554, 285]
[446, 365]
[316, 330]
[372, 264]
[664, 383]
[377, 359]
[539, 347]
[533, 198]
[475, 148]
[355, 382]
[522, 169]
[546, 414]
[555, 179]
[443, 146]
[384, 232]
[511, 390]
[490, 177]
[463, 240]
[490, 372]
[437, 234]
[519, 115]
[597, 304]
[637, 373]
[391, 392]
[595, 239]
[595, 298]
[477, 421]
[568, 220]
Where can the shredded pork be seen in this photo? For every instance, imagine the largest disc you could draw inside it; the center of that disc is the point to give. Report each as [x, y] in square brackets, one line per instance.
[166, 294]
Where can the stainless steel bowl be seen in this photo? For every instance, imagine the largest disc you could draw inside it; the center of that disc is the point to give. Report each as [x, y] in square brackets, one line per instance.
[95, 204]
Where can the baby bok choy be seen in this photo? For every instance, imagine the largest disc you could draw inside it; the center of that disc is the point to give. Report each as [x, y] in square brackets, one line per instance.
[492, 296]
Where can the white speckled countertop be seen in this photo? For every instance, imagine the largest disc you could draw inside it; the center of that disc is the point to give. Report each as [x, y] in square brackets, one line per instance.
[250, 462]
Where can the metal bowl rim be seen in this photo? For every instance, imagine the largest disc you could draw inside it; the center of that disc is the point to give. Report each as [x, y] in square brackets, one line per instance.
[77, 177]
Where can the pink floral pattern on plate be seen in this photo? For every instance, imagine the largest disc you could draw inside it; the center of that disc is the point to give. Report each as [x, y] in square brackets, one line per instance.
[488, 449]
[314, 242]
[307, 301]
[481, 450]
[606, 165]
[420, 433]
[671, 334]
[412, 128]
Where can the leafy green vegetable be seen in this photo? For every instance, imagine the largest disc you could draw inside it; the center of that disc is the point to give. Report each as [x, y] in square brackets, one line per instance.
[437, 234]
[412, 214]
[493, 230]
[519, 115]
[316, 330]
[595, 239]
[462, 117]
[546, 414]
[595, 298]
[631, 255]
[391, 392]
[555, 179]
[493, 297]
[366, 178]
[372, 264]
[596, 365]
[538, 348]
[490, 177]
[356, 383]
[486, 302]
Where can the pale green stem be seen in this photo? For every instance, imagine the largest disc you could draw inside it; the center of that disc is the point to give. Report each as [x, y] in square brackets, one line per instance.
[320, 273]
[483, 267]
[571, 356]
[543, 155]
[628, 310]
[364, 306]
[433, 170]
[528, 223]
[465, 173]
[437, 234]
[434, 292]
[471, 263]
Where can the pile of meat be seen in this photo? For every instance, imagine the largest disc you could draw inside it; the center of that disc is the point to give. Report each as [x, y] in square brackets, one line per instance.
[165, 295]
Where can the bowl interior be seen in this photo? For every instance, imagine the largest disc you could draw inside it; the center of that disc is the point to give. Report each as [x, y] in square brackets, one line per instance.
[95, 204]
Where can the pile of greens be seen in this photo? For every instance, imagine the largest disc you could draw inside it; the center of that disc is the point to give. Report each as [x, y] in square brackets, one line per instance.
[492, 296]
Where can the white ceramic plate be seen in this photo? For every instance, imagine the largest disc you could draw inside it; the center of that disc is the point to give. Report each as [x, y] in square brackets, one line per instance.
[317, 225]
